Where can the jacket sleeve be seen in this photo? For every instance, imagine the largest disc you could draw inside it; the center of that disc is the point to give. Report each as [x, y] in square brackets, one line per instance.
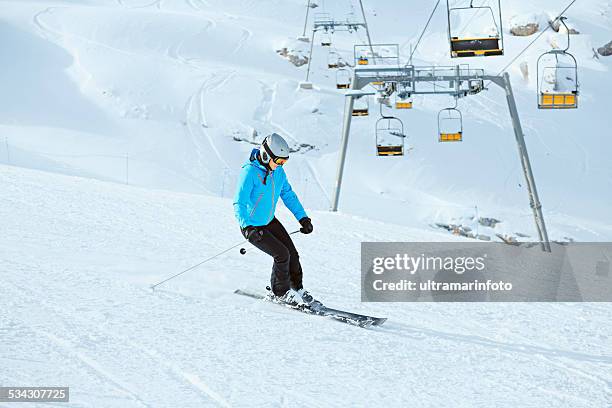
[291, 201]
[242, 196]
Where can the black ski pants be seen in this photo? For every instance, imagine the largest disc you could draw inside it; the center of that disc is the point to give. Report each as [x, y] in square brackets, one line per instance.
[286, 269]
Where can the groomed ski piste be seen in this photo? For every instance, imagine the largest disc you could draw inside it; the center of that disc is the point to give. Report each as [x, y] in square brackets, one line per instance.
[166, 95]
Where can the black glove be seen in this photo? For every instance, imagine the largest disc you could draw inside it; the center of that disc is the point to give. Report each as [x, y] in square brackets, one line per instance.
[306, 225]
[253, 234]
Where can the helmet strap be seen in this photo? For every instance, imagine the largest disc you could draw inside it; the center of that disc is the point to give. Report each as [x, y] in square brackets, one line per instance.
[266, 164]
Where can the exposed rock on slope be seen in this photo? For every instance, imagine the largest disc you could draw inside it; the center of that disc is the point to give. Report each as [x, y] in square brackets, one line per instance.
[525, 30]
[606, 50]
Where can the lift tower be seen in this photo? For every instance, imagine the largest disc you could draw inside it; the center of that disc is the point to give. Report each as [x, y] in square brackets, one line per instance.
[457, 81]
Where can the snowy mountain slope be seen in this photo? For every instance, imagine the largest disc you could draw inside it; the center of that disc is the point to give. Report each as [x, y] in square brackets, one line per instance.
[78, 255]
[170, 84]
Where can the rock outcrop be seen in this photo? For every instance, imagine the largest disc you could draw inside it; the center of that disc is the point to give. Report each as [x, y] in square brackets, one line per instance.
[606, 50]
[525, 30]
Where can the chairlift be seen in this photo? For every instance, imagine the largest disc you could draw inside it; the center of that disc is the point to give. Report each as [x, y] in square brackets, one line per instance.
[389, 136]
[326, 40]
[363, 60]
[343, 79]
[481, 44]
[361, 106]
[558, 78]
[450, 125]
[333, 60]
[403, 100]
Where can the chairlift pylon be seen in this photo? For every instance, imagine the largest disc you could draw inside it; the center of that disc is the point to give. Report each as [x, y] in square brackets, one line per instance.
[450, 125]
[480, 44]
[557, 80]
[389, 136]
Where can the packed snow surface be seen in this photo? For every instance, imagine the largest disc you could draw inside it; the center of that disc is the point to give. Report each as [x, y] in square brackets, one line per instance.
[78, 257]
[123, 127]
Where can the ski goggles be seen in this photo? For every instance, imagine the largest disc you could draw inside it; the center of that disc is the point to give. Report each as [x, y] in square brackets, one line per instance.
[280, 160]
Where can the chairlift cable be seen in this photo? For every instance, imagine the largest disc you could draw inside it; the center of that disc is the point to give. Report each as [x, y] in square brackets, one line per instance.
[423, 32]
[367, 29]
[537, 38]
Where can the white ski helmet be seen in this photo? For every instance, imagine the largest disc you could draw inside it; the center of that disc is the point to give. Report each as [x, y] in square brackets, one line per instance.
[274, 147]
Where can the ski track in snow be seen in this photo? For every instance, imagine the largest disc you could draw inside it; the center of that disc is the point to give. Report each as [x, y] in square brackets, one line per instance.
[46, 30]
[85, 297]
[123, 347]
[246, 36]
[198, 5]
[558, 358]
[71, 350]
[156, 3]
[195, 115]
[173, 52]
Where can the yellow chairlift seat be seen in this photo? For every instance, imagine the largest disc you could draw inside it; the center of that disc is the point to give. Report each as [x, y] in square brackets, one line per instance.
[390, 150]
[378, 83]
[554, 100]
[360, 112]
[403, 105]
[343, 86]
[362, 61]
[451, 137]
[475, 47]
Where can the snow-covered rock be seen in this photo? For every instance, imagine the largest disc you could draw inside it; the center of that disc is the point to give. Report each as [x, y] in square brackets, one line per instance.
[605, 50]
[525, 24]
[525, 30]
[295, 51]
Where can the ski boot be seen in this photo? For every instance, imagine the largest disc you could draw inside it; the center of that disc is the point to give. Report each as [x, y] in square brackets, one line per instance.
[306, 296]
[291, 298]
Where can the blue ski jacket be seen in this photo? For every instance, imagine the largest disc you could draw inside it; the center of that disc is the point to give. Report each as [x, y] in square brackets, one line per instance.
[258, 192]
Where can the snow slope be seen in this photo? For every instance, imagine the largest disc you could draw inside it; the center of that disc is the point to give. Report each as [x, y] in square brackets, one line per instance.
[154, 92]
[78, 255]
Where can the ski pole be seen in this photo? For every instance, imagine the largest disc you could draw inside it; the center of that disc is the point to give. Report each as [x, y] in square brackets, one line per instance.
[195, 266]
[244, 251]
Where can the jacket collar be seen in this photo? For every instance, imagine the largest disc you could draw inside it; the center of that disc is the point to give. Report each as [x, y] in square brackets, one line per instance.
[254, 161]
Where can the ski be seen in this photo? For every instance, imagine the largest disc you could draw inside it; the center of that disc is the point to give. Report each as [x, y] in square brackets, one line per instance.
[318, 309]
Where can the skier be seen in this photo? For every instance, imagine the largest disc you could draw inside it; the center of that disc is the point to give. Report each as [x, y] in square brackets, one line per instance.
[262, 181]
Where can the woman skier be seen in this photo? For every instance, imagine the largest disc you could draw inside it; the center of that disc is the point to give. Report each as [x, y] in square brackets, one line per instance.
[262, 181]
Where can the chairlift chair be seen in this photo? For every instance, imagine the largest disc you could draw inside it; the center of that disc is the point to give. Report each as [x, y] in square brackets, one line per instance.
[333, 60]
[389, 136]
[343, 79]
[363, 60]
[403, 100]
[558, 78]
[450, 125]
[361, 106]
[326, 40]
[480, 45]
[403, 104]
